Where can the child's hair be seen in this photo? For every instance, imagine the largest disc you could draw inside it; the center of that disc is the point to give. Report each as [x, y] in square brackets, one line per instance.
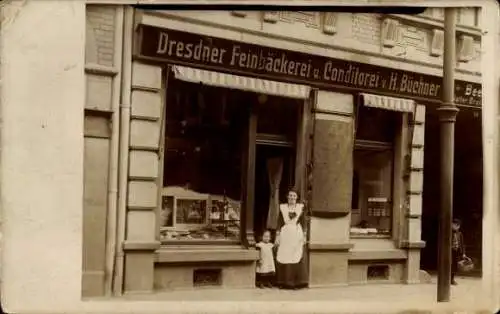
[457, 221]
[264, 232]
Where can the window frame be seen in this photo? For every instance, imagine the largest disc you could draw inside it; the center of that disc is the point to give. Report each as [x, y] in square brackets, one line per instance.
[168, 243]
[378, 146]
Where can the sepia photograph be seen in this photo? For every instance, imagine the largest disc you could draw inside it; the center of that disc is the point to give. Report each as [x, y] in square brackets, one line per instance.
[238, 157]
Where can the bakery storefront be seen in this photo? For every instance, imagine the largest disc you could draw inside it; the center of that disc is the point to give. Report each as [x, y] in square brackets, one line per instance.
[231, 126]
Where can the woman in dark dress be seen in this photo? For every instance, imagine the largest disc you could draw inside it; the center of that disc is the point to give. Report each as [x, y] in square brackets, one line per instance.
[290, 238]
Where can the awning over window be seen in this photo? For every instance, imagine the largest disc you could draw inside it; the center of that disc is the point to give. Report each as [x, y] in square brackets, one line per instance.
[388, 103]
[244, 83]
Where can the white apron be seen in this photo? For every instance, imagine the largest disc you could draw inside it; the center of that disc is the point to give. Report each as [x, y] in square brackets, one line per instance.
[266, 261]
[291, 238]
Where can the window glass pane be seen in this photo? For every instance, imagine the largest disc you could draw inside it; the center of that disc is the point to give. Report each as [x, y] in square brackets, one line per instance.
[203, 162]
[269, 111]
[375, 124]
[372, 192]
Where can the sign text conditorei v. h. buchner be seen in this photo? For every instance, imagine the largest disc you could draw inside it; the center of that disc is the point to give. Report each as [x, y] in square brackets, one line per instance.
[272, 63]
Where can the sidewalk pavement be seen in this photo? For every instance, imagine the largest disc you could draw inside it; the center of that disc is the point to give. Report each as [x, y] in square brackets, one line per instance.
[384, 298]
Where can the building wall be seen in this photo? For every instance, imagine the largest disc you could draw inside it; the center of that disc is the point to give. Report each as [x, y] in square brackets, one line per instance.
[101, 69]
[362, 38]
[100, 32]
[356, 37]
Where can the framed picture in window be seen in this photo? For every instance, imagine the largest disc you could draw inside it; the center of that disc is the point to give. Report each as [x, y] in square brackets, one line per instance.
[224, 209]
[167, 215]
[191, 212]
[183, 209]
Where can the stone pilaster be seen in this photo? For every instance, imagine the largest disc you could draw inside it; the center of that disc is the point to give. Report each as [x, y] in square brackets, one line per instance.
[331, 189]
[145, 133]
[413, 223]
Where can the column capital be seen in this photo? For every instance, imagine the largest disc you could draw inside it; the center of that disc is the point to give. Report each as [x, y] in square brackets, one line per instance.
[447, 112]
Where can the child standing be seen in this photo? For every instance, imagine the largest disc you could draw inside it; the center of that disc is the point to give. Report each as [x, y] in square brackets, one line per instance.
[265, 266]
[457, 248]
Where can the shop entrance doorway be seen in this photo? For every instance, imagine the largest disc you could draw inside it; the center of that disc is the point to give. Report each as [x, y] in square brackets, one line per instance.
[274, 175]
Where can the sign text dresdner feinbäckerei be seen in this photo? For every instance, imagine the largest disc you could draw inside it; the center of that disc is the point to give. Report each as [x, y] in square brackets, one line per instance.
[273, 63]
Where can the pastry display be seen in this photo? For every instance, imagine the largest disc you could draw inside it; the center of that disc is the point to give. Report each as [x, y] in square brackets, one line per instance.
[198, 216]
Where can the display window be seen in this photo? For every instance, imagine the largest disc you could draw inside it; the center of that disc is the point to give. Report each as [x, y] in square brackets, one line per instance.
[203, 155]
[373, 165]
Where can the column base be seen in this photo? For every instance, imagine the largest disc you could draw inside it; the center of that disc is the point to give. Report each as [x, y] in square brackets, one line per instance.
[412, 267]
[139, 266]
[139, 272]
[328, 268]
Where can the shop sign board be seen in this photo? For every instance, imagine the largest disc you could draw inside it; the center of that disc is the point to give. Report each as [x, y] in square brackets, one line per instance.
[223, 55]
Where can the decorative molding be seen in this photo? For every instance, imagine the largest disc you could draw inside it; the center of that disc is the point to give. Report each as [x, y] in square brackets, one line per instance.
[271, 16]
[427, 22]
[413, 37]
[466, 48]
[309, 19]
[239, 13]
[167, 255]
[412, 245]
[329, 23]
[144, 118]
[393, 254]
[146, 89]
[389, 32]
[413, 216]
[330, 246]
[437, 44]
[97, 69]
[424, 67]
[141, 246]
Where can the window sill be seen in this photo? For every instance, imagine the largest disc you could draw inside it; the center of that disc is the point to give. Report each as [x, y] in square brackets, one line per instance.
[363, 255]
[198, 242]
[369, 236]
[205, 254]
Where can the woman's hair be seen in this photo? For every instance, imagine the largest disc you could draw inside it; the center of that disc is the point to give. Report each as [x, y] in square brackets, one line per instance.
[293, 190]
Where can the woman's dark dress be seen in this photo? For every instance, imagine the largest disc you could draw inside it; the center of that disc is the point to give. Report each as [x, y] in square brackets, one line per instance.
[292, 276]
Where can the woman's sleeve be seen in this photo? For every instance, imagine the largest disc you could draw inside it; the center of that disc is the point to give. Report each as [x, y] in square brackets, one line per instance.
[281, 221]
[302, 218]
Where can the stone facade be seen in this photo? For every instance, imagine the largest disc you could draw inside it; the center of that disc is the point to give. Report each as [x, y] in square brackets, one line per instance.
[414, 43]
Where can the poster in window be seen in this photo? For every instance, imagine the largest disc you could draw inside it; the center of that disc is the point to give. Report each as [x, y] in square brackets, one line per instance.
[377, 207]
[167, 211]
[191, 211]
